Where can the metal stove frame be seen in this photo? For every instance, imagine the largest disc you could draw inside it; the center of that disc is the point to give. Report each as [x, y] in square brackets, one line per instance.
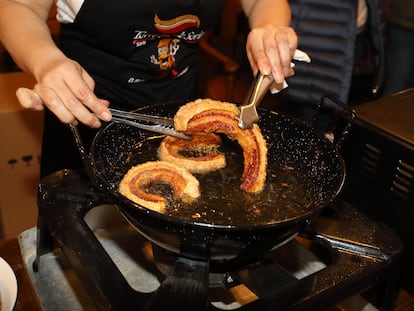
[360, 255]
[379, 157]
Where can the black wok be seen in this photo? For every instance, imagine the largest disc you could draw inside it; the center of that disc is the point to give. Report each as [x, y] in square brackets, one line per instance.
[305, 173]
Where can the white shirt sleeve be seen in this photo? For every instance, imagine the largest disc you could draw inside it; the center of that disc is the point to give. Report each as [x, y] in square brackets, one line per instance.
[67, 10]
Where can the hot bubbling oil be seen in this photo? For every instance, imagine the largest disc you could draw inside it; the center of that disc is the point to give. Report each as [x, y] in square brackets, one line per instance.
[223, 202]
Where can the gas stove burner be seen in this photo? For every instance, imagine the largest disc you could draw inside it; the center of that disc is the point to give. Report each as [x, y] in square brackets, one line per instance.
[340, 254]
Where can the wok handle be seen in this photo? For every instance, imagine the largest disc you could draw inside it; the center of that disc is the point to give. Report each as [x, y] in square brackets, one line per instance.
[86, 160]
[341, 113]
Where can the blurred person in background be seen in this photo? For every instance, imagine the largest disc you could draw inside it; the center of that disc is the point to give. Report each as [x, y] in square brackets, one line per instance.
[400, 45]
[346, 42]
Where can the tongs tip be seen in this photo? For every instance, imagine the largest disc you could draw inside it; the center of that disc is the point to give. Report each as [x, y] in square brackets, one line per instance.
[248, 116]
[248, 113]
[161, 125]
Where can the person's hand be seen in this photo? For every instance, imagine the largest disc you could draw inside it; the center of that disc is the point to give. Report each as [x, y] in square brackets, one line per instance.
[68, 91]
[270, 49]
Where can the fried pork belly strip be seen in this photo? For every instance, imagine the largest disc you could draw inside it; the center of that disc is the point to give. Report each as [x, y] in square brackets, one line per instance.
[206, 115]
[189, 110]
[198, 155]
[135, 182]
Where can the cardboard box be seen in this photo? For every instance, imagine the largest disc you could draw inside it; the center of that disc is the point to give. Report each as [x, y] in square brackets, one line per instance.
[20, 139]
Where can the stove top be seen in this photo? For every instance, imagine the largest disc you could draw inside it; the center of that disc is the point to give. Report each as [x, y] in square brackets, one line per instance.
[85, 256]
[392, 114]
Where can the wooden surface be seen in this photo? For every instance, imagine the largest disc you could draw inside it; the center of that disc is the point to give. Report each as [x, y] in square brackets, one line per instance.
[27, 300]
[405, 302]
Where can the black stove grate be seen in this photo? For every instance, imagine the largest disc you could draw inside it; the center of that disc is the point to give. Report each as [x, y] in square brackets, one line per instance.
[357, 255]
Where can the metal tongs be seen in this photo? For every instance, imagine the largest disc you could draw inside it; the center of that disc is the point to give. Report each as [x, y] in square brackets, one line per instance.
[259, 88]
[162, 125]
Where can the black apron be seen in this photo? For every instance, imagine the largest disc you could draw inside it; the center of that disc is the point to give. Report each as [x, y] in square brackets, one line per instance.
[138, 52]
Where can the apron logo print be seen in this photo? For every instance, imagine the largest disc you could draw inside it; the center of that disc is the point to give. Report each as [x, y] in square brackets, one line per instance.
[177, 24]
[167, 48]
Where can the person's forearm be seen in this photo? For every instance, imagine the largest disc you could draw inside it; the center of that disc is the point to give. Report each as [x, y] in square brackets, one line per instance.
[26, 36]
[265, 12]
[271, 42]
